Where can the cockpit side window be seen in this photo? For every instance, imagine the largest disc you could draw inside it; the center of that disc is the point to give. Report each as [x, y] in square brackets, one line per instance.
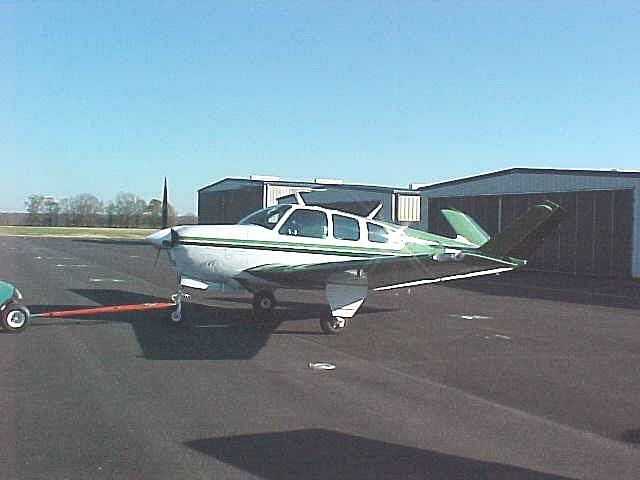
[306, 223]
[377, 233]
[345, 228]
[267, 217]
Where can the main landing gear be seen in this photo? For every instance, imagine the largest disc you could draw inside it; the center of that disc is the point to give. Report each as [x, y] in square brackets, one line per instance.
[333, 325]
[264, 305]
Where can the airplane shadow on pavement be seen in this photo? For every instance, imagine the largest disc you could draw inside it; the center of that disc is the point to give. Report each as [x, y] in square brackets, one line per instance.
[325, 454]
[607, 292]
[207, 333]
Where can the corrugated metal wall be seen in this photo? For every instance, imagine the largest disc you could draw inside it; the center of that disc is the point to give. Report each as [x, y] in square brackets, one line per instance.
[357, 201]
[274, 192]
[595, 238]
[540, 183]
[228, 206]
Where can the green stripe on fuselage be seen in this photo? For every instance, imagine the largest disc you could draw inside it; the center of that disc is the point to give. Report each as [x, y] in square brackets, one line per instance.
[312, 248]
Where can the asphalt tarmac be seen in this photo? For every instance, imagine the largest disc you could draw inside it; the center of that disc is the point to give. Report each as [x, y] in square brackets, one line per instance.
[520, 376]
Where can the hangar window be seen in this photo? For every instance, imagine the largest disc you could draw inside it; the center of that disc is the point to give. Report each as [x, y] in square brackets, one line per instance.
[345, 228]
[377, 233]
[267, 217]
[306, 223]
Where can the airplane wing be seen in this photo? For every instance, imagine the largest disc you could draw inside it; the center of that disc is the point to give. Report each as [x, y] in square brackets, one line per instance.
[384, 272]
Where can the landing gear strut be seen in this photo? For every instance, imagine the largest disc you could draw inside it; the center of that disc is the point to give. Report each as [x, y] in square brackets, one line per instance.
[178, 297]
[264, 304]
[333, 325]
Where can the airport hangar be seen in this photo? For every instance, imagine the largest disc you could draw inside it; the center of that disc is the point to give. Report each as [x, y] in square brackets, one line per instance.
[231, 199]
[599, 236]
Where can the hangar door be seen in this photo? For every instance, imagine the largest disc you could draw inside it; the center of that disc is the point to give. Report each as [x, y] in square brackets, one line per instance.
[595, 237]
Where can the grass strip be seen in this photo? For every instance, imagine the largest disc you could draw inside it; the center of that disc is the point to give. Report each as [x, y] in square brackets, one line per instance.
[82, 232]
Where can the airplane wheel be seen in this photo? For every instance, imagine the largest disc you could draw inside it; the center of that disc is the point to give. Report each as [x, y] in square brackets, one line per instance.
[264, 304]
[15, 318]
[333, 325]
[177, 317]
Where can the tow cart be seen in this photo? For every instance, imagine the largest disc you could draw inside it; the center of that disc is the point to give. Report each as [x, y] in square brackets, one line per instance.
[15, 315]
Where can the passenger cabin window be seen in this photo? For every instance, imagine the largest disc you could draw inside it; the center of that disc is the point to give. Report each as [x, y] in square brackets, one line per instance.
[377, 233]
[267, 217]
[345, 228]
[306, 223]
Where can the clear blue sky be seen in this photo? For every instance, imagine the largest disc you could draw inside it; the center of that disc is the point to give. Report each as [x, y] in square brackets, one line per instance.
[109, 97]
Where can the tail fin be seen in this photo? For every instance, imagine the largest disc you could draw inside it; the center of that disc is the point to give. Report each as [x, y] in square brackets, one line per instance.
[522, 237]
[465, 226]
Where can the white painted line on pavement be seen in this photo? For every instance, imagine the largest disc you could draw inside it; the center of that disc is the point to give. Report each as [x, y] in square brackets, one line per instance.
[470, 317]
[321, 366]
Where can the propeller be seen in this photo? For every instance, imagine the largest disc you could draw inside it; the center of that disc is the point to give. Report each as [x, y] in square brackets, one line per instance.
[174, 238]
[155, 262]
[167, 244]
[165, 206]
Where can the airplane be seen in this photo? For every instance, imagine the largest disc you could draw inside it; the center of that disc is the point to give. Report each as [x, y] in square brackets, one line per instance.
[300, 246]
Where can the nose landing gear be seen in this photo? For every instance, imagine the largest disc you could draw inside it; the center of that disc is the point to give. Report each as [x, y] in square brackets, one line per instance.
[177, 298]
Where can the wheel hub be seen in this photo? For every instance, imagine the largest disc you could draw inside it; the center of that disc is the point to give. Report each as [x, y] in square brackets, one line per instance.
[338, 322]
[16, 318]
[265, 303]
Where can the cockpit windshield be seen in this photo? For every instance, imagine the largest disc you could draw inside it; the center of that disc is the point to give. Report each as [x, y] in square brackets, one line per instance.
[267, 217]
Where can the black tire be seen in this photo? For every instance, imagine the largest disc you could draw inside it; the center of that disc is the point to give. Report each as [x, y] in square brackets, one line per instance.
[264, 305]
[331, 325]
[15, 318]
[181, 321]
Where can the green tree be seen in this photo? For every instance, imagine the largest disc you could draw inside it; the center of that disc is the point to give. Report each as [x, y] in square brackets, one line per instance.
[129, 209]
[85, 209]
[51, 210]
[154, 211]
[35, 208]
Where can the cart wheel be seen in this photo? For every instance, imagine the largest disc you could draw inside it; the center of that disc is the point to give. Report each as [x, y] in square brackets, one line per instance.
[15, 318]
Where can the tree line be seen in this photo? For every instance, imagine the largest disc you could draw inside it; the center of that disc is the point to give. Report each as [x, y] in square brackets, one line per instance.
[127, 210]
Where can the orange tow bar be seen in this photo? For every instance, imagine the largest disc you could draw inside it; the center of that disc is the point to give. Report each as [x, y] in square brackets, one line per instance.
[109, 309]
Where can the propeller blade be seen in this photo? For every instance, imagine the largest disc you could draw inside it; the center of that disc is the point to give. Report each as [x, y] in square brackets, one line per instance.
[155, 263]
[165, 206]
